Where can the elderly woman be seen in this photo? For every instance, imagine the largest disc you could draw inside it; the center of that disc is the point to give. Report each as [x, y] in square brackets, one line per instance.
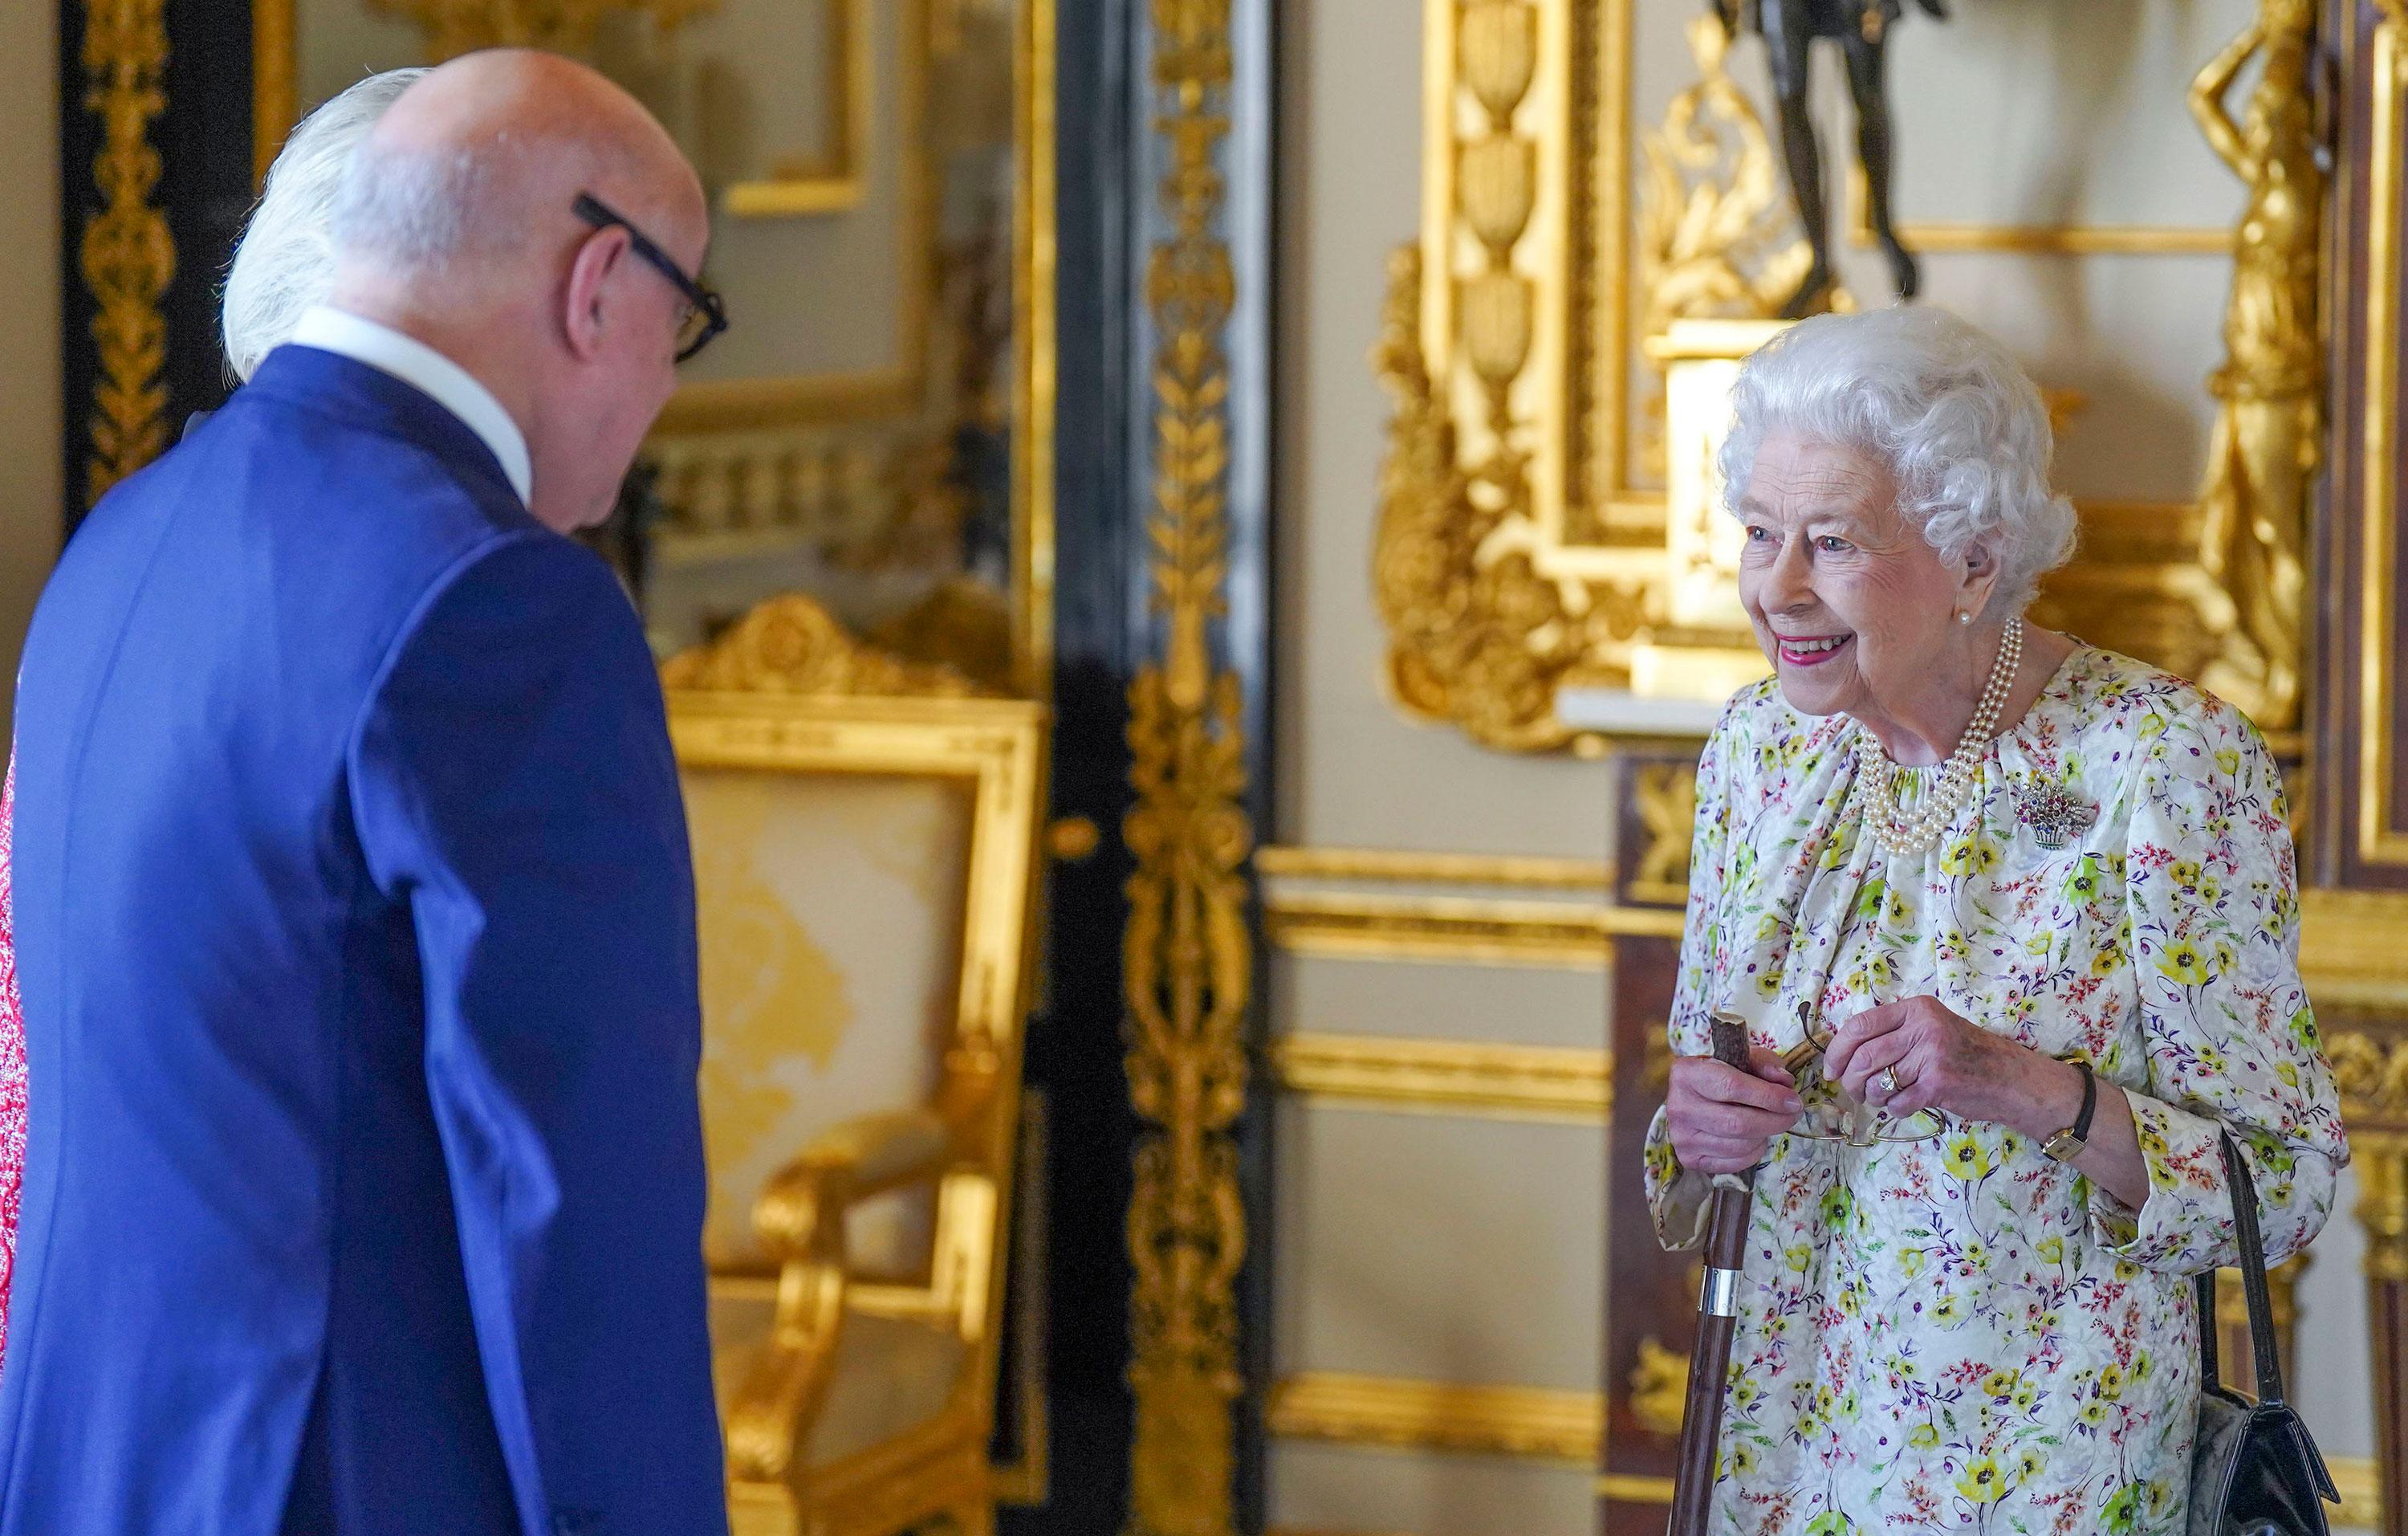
[2037, 901]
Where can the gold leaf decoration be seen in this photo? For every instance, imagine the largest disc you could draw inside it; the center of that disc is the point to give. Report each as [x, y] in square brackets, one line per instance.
[1187, 959]
[128, 253]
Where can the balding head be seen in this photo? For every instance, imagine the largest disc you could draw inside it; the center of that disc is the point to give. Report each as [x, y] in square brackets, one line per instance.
[457, 224]
[454, 182]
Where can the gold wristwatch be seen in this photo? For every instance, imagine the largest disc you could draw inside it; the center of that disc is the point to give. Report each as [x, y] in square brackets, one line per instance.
[2067, 1144]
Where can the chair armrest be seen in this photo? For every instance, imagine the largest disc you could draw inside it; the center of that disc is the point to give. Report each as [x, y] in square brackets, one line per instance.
[800, 1218]
[848, 1162]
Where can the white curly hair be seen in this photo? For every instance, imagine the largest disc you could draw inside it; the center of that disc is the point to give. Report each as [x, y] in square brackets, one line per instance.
[285, 262]
[1947, 409]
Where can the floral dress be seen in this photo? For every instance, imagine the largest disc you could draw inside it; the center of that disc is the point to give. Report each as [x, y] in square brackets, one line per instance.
[12, 1064]
[1960, 1334]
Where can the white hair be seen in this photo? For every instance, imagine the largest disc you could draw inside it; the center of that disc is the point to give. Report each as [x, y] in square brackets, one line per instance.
[286, 260]
[1952, 414]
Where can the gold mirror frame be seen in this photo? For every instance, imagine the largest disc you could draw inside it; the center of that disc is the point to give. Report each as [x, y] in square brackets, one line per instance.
[1520, 547]
[705, 411]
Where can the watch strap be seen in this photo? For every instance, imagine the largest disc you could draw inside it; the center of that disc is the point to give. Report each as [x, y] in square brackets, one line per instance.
[2067, 1144]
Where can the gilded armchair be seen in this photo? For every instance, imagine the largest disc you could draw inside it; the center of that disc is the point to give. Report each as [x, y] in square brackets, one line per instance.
[863, 867]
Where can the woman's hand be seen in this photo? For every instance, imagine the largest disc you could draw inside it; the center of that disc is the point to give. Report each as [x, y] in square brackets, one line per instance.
[1938, 1060]
[1722, 1119]
[1947, 1063]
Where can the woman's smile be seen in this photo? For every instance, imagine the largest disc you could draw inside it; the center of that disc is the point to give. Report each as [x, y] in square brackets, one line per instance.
[1810, 650]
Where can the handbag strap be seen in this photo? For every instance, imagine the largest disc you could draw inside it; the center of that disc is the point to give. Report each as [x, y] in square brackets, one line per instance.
[2253, 1287]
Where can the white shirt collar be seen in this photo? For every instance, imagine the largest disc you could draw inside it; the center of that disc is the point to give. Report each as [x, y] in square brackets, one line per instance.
[429, 372]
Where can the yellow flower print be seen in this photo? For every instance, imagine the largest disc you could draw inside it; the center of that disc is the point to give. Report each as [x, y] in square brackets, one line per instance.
[2051, 1250]
[1923, 1437]
[2184, 964]
[2107, 962]
[1981, 1482]
[2094, 1413]
[2229, 760]
[1909, 1263]
[1964, 1158]
[2111, 1384]
[1799, 1255]
[1999, 1384]
[2025, 1396]
[2153, 1141]
[2026, 1468]
[2143, 1367]
[1972, 855]
[1948, 1308]
[2126, 1270]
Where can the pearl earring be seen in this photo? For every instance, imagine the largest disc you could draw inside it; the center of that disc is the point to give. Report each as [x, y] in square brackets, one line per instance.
[1964, 618]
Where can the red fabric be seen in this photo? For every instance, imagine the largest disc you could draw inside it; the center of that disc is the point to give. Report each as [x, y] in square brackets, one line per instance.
[12, 1067]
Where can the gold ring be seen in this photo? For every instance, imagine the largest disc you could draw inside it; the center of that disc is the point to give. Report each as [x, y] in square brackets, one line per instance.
[1889, 1082]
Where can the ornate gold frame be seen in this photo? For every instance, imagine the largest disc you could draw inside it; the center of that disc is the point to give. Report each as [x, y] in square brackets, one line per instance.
[127, 253]
[2035, 239]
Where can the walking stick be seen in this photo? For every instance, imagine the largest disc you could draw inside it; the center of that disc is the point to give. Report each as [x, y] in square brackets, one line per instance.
[1701, 1416]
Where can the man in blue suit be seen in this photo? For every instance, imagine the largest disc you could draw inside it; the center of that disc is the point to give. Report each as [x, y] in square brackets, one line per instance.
[364, 1184]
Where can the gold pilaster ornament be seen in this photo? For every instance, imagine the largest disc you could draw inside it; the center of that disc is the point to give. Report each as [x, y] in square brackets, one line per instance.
[128, 254]
[453, 27]
[2264, 455]
[1187, 959]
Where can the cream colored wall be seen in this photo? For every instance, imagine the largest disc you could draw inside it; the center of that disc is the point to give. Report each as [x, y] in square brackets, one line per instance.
[29, 321]
[1468, 1248]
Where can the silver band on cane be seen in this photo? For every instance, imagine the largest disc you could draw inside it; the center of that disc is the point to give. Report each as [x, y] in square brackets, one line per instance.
[1719, 1296]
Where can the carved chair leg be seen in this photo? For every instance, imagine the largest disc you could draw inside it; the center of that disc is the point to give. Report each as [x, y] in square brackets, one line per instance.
[2382, 1161]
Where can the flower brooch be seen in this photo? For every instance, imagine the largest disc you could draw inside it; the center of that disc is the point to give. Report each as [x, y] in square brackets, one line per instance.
[2053, 813]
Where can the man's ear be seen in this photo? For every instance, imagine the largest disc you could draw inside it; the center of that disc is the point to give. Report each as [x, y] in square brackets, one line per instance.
[585, 302]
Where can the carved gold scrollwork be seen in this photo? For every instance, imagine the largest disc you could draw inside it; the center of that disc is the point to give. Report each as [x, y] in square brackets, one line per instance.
[1717, 237]
[1666, 794]
[2373, 1076]
[128, 255]
[792, 645]
[1660, 1386]
[1187, 958]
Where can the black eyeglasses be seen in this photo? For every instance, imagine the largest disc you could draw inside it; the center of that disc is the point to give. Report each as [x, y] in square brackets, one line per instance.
[706, 313]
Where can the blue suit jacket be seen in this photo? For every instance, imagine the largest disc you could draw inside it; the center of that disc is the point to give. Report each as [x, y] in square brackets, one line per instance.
[354, 912]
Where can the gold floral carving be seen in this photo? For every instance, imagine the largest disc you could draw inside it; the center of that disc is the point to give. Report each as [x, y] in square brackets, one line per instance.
[2371, 1074]
[1187, 959]
[792, 645]
[128, 253]
[2262, 458]
[455, 27]
[1659, 1387]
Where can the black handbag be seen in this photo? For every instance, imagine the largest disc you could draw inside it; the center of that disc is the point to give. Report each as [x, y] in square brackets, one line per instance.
[2254, 1471]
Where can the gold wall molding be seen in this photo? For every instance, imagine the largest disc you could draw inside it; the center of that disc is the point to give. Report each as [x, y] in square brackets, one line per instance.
[1457, 1077]
[1187, 958]
[835, 179]
[2034, 239]
[1666, 797]
[1542, 1424]
[128, 254]
[1628, 1489]
[1405, 865]
[453, 27]
[2359, 1483]
[2350, 951]
[1457, 930]
[2378, 842]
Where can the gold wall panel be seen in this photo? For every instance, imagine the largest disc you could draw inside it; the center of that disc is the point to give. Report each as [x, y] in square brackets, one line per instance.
[2379, 839]
[1402, 1414]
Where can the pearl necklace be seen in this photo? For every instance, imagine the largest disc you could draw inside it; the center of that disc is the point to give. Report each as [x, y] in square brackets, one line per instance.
[1905, 835]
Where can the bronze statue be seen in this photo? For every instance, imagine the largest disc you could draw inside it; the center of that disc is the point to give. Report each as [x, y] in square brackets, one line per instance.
[1861, 28]
[2262, 458]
